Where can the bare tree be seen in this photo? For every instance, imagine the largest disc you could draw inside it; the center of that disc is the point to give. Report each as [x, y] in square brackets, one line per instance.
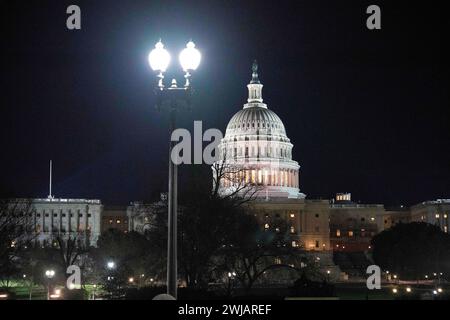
[234, 176]
[70, 249]
[251, 253]
[16, 233]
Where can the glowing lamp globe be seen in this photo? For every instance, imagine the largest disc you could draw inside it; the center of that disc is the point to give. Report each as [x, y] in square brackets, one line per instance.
[190, 57]
[159, 58]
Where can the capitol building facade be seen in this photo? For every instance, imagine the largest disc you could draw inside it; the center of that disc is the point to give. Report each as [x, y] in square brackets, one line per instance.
[256, 155]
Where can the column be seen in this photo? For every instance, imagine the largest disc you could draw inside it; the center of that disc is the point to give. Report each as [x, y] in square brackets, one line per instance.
[68, 221]
[86, 225]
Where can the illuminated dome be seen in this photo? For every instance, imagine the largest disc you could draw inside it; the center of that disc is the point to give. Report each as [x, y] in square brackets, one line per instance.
[255, 120]
[258, 150]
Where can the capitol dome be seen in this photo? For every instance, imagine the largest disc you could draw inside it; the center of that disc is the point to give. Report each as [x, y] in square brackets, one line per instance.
[257, 150]
[255, 120]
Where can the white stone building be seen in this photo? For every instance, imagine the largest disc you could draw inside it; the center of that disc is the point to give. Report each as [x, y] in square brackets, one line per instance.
[77, 218]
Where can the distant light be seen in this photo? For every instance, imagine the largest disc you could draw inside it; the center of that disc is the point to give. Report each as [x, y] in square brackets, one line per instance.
[328, 271]
[408, 289]
[24, 276]
[50, 273]
[439, 290]
[435, 274]
[190, 57]
[387, 271]
[3, 296]
[111, 265]
[159, 58]
[394, 290]
[435, 292]
[142, 275]
[395, 276]
[58, 291]
[151, 279]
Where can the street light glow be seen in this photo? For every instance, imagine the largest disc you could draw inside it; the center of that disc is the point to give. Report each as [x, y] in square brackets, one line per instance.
[111, 265]
[159, 58]
[50, 273]
[190, 57]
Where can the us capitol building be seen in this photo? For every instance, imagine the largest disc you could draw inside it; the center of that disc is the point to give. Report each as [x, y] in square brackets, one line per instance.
[259, 152]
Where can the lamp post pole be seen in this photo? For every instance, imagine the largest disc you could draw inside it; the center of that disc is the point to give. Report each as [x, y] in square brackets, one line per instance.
[172, 216]
[173, 98]
[49, 274]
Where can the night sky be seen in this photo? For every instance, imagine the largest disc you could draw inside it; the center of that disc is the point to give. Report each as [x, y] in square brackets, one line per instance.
[367, 111]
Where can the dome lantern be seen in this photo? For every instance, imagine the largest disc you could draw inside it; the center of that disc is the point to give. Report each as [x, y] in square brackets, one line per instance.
[255, 89]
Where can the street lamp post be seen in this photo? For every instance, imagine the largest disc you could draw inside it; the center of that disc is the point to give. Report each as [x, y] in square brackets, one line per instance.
[49, 274]
[173, 98]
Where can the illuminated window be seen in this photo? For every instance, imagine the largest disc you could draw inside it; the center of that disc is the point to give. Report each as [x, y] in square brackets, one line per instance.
[294, 244]
[266, 226]
[338, 233]
[110, 221]
[437, 215]
[277, 261]
[350, 233]
[445, 229]
[445, 216]
[292, 229]
[118, 221]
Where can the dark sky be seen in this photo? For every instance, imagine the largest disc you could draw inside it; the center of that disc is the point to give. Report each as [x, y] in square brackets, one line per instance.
[367, 111]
